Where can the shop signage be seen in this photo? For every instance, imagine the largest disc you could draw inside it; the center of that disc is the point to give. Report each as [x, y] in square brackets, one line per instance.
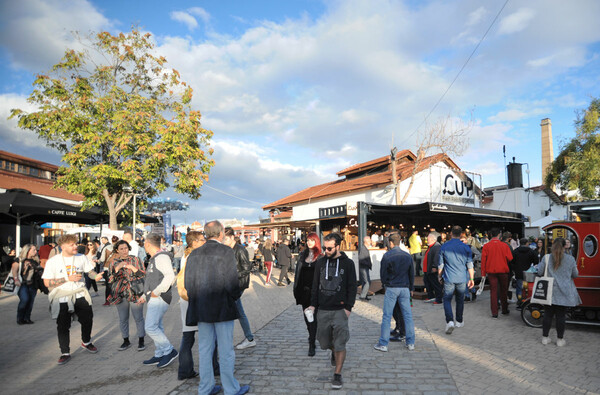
[332, 212]
[63, 212]
[352, 208]
[456, 190]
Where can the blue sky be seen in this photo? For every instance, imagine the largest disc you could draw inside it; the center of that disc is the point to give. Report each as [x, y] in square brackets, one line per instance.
[298, 90]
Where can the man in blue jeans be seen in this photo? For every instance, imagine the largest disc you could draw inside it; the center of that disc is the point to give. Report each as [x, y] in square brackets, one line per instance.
[243, 266]
[456, 268]
[211, 281]
[157, 294]
[397, 275]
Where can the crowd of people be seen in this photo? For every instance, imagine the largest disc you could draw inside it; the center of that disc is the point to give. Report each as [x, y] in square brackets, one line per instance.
[211, 274]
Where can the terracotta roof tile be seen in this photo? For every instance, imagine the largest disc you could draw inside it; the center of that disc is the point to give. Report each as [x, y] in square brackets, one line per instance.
[37, 186]
[376, 162]
[360, 183]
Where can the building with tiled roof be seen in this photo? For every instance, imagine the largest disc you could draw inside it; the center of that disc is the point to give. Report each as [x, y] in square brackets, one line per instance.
[373, 182]
[37, 177]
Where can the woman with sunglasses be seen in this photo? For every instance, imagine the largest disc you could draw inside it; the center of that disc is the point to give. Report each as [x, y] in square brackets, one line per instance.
[303, 281]
[90, 253]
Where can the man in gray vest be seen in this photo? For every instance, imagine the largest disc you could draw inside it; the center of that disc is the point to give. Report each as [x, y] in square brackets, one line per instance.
[157, 293]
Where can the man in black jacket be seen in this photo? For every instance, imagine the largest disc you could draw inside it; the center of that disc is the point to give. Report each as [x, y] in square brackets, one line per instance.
[212, 284]
[523, 258]
[432, 261]
[364, 266]
[333, 296]
[243, 268]
[284, 259]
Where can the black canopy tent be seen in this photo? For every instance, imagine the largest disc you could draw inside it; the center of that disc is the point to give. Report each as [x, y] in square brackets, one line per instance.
[21, 207]
[439, 216]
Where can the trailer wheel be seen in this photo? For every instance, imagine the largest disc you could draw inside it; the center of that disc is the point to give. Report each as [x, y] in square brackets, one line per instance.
[532, 314]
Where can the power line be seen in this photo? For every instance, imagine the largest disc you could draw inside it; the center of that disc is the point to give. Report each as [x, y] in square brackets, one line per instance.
[459, 72]
[234, 196]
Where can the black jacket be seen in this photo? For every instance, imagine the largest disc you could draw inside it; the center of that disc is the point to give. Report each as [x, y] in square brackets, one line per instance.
[211, 281]
[243, 265]
[433, 257]
[303, 279]
[334, 283]
[364, 257]
[523, 258]
[284, 255]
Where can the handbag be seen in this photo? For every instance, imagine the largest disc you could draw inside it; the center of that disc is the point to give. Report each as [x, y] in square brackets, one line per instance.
[542, 287]
[10, 285]
[137, 286]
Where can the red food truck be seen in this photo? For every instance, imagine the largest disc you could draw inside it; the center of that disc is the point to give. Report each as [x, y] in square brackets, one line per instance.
[584, 238]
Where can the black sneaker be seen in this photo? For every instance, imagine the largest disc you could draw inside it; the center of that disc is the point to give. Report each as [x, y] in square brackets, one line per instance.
[64, 359]
[167, 359]
[90, 347]
[336, 383]
[152, 361]
[333, 359]
[141, 346]
[125, 345]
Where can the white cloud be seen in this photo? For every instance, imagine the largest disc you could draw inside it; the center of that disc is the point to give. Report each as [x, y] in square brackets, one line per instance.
[9, 129]
[201, 13]
[516, 21]
[476, 16]
[36, 33]
[185, 18]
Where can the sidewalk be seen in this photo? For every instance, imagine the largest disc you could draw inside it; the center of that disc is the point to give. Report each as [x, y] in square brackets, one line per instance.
[486, 356]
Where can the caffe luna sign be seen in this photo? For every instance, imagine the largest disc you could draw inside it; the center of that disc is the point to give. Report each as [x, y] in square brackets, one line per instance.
[458, 190]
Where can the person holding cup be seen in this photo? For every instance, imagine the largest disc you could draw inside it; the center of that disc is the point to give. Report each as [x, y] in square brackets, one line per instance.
[303, 282]
[63, 276]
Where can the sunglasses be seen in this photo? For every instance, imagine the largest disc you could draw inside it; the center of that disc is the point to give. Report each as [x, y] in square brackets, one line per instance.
[329, 248]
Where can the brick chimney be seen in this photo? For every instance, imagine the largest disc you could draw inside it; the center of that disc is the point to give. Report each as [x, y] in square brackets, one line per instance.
[547, 148]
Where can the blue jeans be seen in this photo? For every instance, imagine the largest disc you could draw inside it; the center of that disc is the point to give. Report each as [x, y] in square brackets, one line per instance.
[186, 360]
[157, 308]
[519, 288]
[223, 332]
[365, 281]
[449, 289]
[244, 320]
[402, 296]
[26, 298]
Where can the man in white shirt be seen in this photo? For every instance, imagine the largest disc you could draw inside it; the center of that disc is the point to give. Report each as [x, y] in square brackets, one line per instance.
[128, 237]
[63, 275]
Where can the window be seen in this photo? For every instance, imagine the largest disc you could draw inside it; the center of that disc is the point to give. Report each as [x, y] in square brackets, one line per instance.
[34, 172]
[590, 246]
[23, 169]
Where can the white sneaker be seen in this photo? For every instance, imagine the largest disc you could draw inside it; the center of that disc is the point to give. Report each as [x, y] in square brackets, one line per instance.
[246, 344]
[449, 327]
[546, 340]
[379, 347]
[411, 347]
[459, 324]
[560, 342]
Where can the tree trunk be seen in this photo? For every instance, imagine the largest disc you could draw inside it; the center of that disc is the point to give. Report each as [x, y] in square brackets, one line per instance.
[420, 157]
[114, 207]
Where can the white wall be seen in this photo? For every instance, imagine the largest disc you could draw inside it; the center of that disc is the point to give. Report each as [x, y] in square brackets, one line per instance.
[533, 204]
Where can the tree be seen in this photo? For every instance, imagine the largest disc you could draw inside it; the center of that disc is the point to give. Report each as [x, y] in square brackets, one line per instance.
[577, 167]
[122, 121]
[442, 137]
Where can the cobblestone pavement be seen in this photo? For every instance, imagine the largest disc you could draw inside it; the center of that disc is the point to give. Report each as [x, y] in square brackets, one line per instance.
[486, 356]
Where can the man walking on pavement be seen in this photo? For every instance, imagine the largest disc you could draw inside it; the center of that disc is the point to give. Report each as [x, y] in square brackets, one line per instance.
[430, 268]
[243, 268]
[495, 258]
[63, 276]
[364, 266]
[212, 284]
[284, 258]
[333, 295]
[456, 259]
[157, 293]
[397, 276]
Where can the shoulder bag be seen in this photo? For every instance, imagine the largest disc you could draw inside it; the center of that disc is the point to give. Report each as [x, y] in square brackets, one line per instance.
[542, 287]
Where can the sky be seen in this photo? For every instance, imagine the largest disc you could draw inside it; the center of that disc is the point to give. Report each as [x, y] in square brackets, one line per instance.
[296, 91]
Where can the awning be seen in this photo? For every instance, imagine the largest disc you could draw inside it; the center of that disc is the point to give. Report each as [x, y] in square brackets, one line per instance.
[284, 224]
